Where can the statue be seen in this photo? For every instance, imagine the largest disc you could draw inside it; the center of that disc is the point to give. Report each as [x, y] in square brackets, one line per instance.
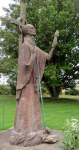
[28, 125]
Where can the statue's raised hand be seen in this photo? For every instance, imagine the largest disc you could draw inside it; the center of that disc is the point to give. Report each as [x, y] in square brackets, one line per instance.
[55, 39]
[57, 33]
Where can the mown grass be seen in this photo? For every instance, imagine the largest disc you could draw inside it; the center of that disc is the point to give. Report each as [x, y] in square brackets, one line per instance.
[69, 96]
[65, 96]
[9, 104]
[56, 112]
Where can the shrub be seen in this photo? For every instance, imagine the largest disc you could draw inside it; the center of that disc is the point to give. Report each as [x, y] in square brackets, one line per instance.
[44, 90]
[67, 92]
[4, 90]
[72, 92]
[71, 135]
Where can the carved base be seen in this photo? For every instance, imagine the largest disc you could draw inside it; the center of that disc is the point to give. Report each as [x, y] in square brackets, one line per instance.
[28, 139]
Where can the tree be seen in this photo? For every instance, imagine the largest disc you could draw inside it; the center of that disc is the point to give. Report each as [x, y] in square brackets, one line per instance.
[62, 15]
[47, 16]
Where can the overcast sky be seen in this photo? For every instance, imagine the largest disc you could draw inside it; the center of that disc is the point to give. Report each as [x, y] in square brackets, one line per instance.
[4, 3]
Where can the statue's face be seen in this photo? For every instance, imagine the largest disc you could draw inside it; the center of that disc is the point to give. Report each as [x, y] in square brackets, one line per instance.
[30, 30]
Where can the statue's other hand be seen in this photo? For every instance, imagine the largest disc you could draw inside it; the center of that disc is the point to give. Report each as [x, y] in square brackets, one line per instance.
[57, 33]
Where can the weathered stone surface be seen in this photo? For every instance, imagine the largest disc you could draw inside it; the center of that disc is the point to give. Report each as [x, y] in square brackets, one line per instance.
[51, 139]
[16, 138]
[32, 139]
[4, 145]
[28, 138]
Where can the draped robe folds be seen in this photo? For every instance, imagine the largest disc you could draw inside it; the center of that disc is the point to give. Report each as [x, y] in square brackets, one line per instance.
[28, 116]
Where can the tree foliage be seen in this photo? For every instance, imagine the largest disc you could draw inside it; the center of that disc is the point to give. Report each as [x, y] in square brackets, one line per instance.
[47, 16]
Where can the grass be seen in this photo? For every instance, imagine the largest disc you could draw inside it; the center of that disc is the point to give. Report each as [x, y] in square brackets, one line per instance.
[65, 96]
[9, 104]
[68, 96]
[55, 112]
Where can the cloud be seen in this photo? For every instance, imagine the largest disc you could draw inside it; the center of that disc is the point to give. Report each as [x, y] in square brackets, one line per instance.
[4, 3]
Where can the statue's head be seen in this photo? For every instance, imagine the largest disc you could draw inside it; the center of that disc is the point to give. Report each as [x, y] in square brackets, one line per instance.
[29, 29]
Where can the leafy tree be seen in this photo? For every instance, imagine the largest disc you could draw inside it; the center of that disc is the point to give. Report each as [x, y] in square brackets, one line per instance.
[47, 16]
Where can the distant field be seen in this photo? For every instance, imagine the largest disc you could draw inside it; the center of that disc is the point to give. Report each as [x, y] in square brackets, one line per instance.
[56, 112]
[65, 96]
[68, 96]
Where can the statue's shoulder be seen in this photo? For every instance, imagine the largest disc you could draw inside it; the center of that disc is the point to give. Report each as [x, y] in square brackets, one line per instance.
[25, 45]
[40, 50]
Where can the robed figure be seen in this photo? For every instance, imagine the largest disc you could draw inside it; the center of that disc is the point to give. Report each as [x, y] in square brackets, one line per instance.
[28, 117]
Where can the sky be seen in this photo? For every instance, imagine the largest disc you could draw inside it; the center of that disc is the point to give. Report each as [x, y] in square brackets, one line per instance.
[4, 3]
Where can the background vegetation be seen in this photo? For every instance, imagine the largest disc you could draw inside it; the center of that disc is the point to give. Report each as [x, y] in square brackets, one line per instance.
[72, 92]
[4, 90]
[47, 16]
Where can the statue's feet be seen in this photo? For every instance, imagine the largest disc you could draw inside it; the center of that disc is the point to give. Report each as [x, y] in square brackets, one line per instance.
[32, 138]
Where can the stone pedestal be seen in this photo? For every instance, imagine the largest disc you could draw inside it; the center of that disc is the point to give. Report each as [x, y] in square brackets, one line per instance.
[5, 136]
[32, 138]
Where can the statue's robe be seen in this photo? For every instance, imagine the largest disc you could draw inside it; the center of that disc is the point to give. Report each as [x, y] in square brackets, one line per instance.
[28, 116]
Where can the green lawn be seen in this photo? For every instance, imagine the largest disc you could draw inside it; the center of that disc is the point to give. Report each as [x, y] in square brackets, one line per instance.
[68, 96]
[65, 96]
[55, 112]
[9, 104]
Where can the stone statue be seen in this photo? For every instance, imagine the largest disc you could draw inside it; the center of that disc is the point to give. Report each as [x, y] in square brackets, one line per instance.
[28, 125]
[28, 129]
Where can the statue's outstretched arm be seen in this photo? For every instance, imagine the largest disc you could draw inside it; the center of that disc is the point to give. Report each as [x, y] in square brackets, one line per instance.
[48, 56]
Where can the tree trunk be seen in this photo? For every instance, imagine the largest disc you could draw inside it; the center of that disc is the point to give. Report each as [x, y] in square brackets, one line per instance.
[54, 91]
